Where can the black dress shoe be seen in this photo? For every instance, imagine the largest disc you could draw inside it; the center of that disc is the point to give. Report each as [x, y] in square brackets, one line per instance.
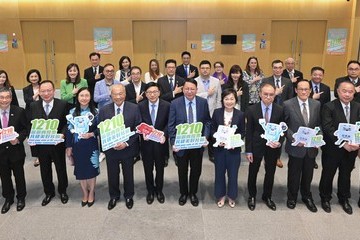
[316, 166]
[150, 198]
[20, 205]
[83, 204]
[194, 200]
[251, 203]
[6, 206]
[112, 203]
[166, 162]
[64, 198]
[346, 206]
[47, 199]
[129, 203]
[269, 203]
[182, 199]
[326, 206]
[309, 202]
[291, 204]
[160, 197]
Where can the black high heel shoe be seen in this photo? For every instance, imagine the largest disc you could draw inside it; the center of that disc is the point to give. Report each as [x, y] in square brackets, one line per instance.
[83, 204]
[91, 203]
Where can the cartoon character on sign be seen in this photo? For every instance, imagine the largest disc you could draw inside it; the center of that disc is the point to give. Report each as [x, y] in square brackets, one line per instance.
[306, 136]
[273, 131]
[346, 132]
[81, 123]
[223, 134]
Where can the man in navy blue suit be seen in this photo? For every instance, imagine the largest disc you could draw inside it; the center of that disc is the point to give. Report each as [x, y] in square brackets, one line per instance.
[189, 109]
[124, 152]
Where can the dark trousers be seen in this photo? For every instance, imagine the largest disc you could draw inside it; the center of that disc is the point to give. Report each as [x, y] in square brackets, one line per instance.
[149, 161]
[270, 167]
[17, 168]
[226, 162]
[211, 147]
[300, 175]
[113, 169]
[194, 158]
[47, 154]
[342, 160]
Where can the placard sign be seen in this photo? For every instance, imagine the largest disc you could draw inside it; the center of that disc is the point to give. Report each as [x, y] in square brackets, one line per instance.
[348, 132]
[150, 132]
[81, 123]
[226, 135]
[113, 131]
[273, 131]
[44, 132]
[7, 134]
[308, 137]
[188, 136]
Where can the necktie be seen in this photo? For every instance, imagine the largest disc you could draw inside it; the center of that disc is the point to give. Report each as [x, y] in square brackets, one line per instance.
[118, 111]
[171, 83]
[291, 75]
[347, 113]
[47, 109]
[191, 114]
[186, 70]
[4, 120]
[267, 115]
[305, 114]
[278, 83]
[94, 70]
[316, 89]
[152, 114]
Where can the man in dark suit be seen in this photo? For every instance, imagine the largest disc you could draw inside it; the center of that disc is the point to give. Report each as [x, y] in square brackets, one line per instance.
[256, 148]
[124, 152]
[301, 111]
[291, 73]
[341, 110]
[284, 89]
[135, 90]
[49, 107]
[186, 70]
[94, 73]
[170, 85]
[320, 91]
[353, 70]
[188, 109]
[12, 153]
[155, 112]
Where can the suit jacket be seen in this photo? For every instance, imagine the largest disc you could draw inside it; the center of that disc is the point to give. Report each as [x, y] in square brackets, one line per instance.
[177, 115]
[67, 88]
[296, 74]
[254, 143]
[180, 71]
[132, 118]
[288, 91]
[214, 100]
[89, 75]
[325, 96]
[17, 119]
[131, 94]
[238, 120]
[344, 79]
[57, 112]
[331, 115]
[244, 98]
[161, 123]
[294, 120]
[102, 94]
[166, 93]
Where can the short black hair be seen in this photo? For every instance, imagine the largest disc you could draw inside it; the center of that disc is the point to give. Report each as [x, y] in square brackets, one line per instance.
[94, 54]
[185, 53]
[170, 61]
[317, 68]
[205, 62]
[47, 81]
[276, 61]
[191, 80]
[151, 84]
[353, 61]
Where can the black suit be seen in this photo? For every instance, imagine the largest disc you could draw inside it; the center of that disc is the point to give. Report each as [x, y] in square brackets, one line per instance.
[154, 153]
[347, 79]
[12, 157]
[131, 94]
[166, 93]
[51, 153]
[89, 75]
[180, 71]
[287, 92]
[333, 156]
[257, 146]
[244, 98]
[132, 118]
[325, 96]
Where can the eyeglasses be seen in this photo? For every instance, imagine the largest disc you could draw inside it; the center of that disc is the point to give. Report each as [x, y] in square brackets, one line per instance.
[152, 92]
[353, 69]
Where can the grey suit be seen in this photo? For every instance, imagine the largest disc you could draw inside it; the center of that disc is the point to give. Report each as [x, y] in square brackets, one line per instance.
[301, 159]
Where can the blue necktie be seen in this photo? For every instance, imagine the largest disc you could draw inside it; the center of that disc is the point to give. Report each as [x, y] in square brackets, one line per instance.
[191, 114]
[152, 114]
[171, 84]
[118, 111]
[186, 70]
[47, 109]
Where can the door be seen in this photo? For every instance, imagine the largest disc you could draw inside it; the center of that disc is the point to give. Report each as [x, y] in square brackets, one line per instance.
[302, 40]
[158, 39]
[49, 47]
